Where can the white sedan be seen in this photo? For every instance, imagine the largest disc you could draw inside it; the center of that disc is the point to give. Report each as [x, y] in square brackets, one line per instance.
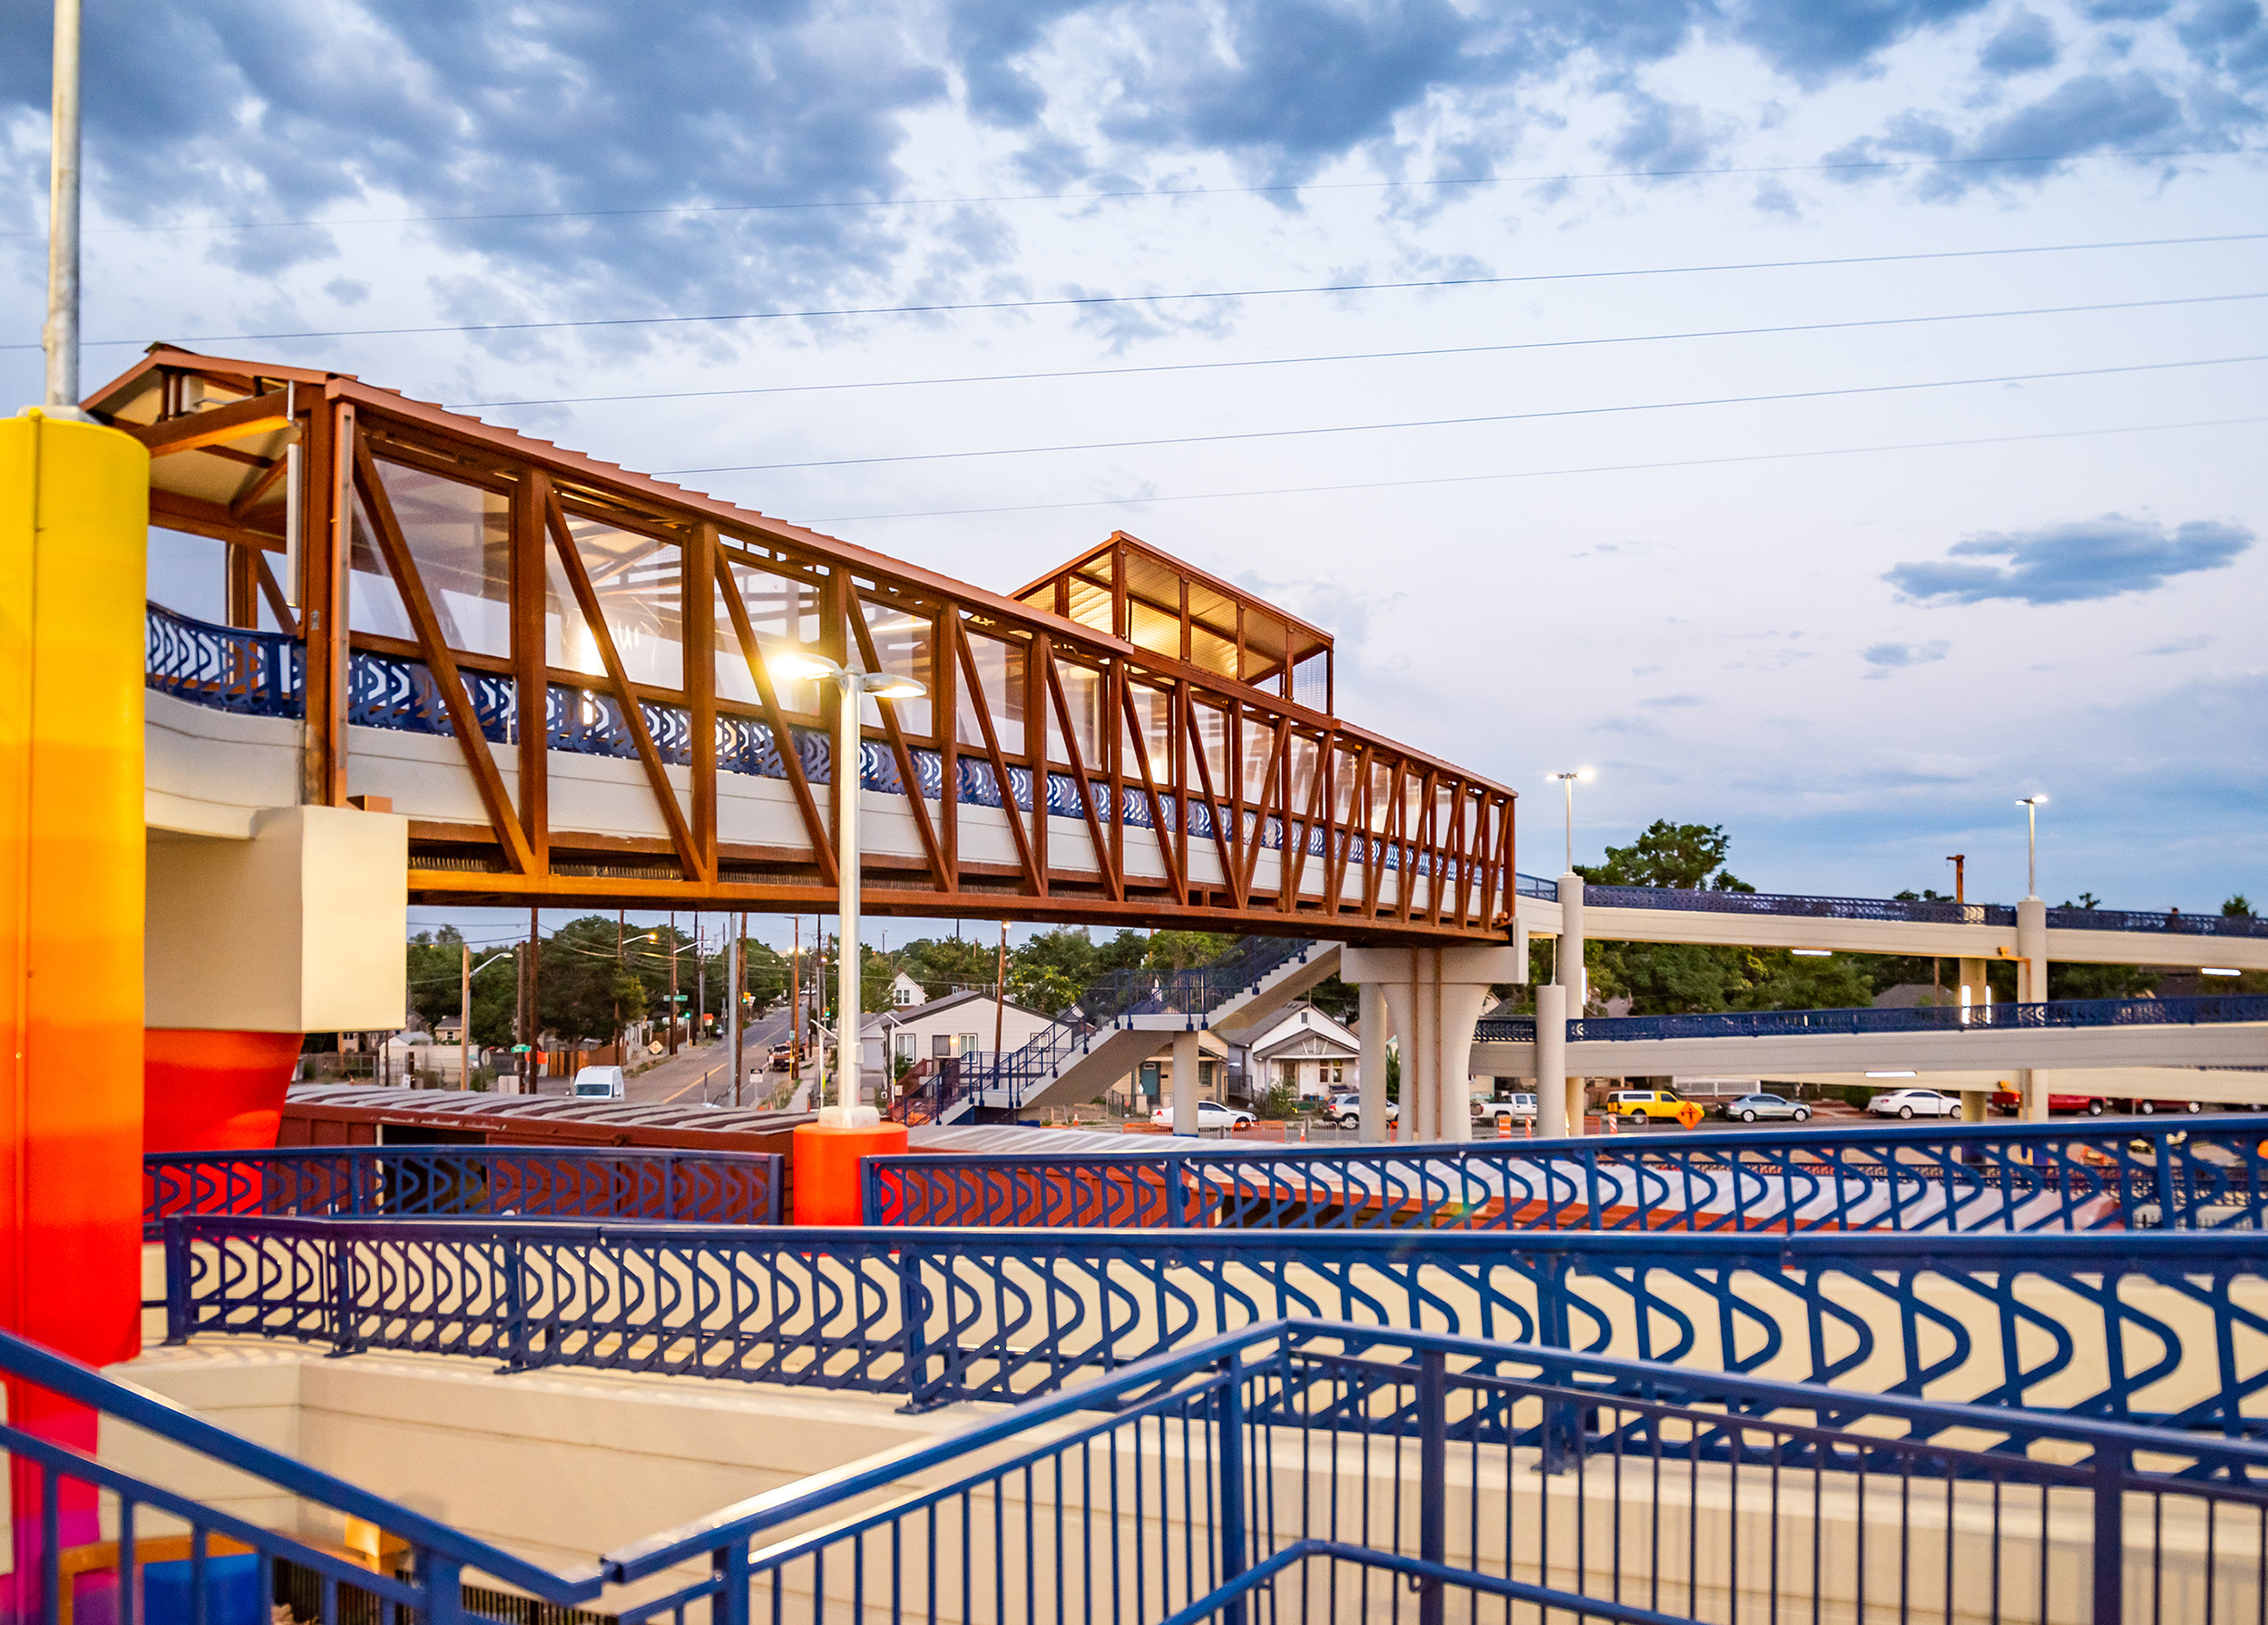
[1915, 1103]
[1211, 1114]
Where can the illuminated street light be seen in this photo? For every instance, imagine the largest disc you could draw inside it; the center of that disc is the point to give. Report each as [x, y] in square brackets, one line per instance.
[802, 665]
[1568, 780]
[2031, 805]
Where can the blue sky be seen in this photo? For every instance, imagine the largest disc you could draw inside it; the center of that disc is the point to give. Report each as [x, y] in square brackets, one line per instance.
[1978, 515]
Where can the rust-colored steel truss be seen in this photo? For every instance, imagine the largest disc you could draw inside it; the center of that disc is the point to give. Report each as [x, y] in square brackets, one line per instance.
[1208, 796]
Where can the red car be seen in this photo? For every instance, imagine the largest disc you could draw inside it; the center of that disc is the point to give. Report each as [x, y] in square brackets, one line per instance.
[2092, 1105]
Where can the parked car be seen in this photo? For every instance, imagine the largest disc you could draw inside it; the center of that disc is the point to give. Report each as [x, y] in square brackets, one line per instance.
[1345, 1109]
[597, 1083]
[2090, 1105]
[1211, 1114]
[1518, 1107]
[2152, 1108]
[1915, 1103]
[1635, 1105]
[1749, 1108]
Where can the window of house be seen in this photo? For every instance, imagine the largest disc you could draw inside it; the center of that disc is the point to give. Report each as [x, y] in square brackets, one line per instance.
[941, 1044]
[968, 1044]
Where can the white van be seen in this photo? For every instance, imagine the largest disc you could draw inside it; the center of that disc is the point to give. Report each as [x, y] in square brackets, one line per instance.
[598, 1083]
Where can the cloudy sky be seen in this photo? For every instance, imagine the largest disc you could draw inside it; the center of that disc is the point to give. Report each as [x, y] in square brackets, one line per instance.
[1828, 418]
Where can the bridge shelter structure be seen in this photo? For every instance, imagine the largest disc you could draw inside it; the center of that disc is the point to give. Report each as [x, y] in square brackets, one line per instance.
[585, 654]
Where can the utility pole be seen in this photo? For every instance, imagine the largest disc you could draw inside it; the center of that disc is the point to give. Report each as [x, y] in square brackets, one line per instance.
[736, 992]
[795, 1005]
[60, 336]
[701, 982]
[999, 991]
[673, 982]
[464, 1020]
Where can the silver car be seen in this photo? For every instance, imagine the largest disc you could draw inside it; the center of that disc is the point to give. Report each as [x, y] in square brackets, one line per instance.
[1751, 1107]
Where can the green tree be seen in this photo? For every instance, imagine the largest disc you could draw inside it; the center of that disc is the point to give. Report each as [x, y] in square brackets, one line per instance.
[1776, 979]
[1687, 857]
[2238, 907]
[1184, 950]
[435, 971]
[941, 964]
[1051, 971]
[583, 991]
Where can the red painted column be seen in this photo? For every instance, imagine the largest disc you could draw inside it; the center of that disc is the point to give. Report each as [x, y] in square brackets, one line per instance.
[74, 541]
[214, 1092]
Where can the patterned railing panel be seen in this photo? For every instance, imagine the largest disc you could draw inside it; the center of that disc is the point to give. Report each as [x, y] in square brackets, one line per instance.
[1786, 904]
[945, 1315]
[2210, 1173]
[2053, 1015]
[432, 1181]
[225, 667]
[2174, 923]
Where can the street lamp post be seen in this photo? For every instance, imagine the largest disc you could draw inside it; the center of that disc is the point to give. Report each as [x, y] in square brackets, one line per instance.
[1568, 780]
[2031, 805]
[851, 687]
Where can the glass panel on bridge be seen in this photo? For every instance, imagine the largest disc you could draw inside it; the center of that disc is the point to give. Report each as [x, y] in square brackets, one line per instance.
[1000, 675]
[1209, 726]
[188, 574]
[1156, 629]
[635, 578]
[1259, 738]
[460, 536]
[1153, 710]
[374, 604]
[1082, 699]
[905, 642]
[1264, 651]
[784, 613]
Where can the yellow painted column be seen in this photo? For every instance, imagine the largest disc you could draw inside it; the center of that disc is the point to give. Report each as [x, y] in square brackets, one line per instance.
[74, 509]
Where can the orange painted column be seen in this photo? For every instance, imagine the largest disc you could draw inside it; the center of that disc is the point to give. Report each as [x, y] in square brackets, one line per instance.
[827, 1175]
[73, 542]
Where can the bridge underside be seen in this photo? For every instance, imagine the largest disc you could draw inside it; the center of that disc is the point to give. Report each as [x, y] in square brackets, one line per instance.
[562, 675]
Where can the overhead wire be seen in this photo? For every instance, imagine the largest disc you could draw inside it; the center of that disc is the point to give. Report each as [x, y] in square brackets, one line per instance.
[1458, 349]
[1443, 423]
[1094, 301]
[1538, 474]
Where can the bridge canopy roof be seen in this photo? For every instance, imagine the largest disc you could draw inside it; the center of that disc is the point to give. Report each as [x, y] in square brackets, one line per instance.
[1128, 589]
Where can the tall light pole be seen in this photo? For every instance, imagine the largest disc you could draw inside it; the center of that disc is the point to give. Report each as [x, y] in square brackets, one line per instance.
[60, 336]
[850, 688]
[1568, 780]
[2031, 805]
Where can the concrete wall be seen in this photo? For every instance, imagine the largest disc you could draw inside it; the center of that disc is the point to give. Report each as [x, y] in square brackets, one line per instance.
[297, 929]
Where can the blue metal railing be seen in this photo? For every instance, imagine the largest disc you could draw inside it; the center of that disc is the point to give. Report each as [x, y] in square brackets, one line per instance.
[1901, 910]
[938, 1316]
[435, 1182]
[2055, 1015]
[2210, 1174]
[1322, 1470]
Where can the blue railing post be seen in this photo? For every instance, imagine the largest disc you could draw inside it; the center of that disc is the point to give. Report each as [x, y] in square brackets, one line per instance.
[1178, 1184]
[730, 1565]
[1432, 1401]
[177, 1261]
[342, 1297]
[2110, 1534]
[444, 1579]
[1234, 1544]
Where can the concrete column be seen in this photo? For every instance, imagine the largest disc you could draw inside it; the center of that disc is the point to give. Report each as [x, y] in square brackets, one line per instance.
[1569, 956]
[1552, 1061]
[2031, 988]
[1971, 992]
[1575, 1122]
[1371, 1070]
[1435, 996]
[1184, 1095]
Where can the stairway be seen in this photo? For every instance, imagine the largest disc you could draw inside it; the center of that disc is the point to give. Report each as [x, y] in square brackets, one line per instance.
[1119, 1023]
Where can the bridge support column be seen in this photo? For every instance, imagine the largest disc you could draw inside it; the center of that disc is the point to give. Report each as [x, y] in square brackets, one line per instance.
[1185, 1091]
[73, 539]
[1569, 959]
[1551, 1079]
[2031, 988]
[1971, 992]
[1435, 996]
[1372, 1021]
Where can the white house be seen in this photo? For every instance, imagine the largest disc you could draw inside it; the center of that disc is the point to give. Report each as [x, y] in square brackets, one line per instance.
[1307, 1051]
[904, 992]
[962, 1024]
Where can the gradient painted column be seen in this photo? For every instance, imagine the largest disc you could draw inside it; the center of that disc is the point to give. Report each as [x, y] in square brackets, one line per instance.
[73, 542]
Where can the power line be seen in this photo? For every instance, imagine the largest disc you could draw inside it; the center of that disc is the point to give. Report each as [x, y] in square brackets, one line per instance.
[1446, 423]
[1091, 301]
[1540, 473]
[1460, 349]
[1131, 193]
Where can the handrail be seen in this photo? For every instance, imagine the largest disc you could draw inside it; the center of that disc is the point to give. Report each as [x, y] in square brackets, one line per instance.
[568, 1182]
[2208, 1172]
[937, 1314]
[2053, 1015]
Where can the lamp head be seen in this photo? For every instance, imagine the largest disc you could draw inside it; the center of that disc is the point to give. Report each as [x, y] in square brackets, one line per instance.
[2031, 801]
[884, 685]
[797, 665]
